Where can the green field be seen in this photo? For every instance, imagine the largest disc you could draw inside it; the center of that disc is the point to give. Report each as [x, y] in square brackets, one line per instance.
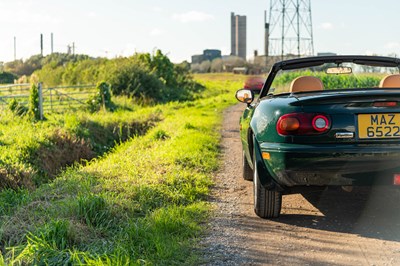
[140, 197]
[331, 82]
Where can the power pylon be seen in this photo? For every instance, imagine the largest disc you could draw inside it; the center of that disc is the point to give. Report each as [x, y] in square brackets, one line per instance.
[290, 28]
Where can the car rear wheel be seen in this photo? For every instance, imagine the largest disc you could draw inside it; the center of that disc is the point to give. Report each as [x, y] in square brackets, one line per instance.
[267, 203]
[247, 171]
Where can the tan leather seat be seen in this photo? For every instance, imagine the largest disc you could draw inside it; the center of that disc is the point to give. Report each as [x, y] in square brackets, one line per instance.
[390, 81]
[306, 83]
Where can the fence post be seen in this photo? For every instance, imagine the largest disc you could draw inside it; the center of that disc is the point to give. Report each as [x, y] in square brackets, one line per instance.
[40, 100]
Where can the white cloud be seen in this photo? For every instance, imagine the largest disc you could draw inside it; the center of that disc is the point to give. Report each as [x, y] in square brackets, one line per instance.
[368, 52]
[192, 16]
[158, 9]
[24, 16]
[392, 45]
[92, 14]
[128, 50]
[156, 32]
[326, 26]
[225, 50]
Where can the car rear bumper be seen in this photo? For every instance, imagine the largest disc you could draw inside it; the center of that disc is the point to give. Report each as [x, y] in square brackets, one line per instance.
[320, 165]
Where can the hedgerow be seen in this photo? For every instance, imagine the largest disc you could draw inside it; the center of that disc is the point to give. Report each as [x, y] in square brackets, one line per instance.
[147, 78]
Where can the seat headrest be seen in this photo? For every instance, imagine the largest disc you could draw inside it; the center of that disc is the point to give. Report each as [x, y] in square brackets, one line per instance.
[306, 83]
[390, 81]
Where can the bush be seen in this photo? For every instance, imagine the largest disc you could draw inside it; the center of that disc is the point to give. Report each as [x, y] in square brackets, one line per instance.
[144, 77]
[17, 108]
[162, 81]
[102, 99]
[134, 79]
[34, 111]
[7, 78]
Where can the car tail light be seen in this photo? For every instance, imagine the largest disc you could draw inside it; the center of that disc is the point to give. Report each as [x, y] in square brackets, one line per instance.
[385, 104]
[320, 123]
[303, 124]
[289, 124]
[396, 179]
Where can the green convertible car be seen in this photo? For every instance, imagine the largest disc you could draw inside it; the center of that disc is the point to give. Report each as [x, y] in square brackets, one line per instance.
[318, 122]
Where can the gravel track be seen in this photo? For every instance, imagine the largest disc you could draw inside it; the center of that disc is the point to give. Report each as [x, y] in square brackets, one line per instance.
[337, 228]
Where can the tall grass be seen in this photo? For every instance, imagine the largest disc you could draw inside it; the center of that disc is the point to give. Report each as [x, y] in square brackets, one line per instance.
[33, 153]
[141, 203]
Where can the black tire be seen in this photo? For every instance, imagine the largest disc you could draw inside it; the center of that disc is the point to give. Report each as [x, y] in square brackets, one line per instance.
[248, 173]
[267, 203]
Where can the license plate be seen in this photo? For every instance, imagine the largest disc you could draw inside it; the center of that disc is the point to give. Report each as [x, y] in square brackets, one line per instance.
[378, 126]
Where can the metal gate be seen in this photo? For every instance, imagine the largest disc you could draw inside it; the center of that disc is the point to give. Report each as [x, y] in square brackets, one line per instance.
[52, 99]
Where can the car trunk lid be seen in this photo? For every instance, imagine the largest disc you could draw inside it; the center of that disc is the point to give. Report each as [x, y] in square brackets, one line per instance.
[358, 116]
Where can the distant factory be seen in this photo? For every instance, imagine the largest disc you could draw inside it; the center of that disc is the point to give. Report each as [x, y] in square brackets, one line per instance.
[208, 54]
[238, 35]
[283, 39]
[238, 43]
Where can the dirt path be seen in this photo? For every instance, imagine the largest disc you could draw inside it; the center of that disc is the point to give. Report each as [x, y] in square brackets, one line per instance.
[339, 228]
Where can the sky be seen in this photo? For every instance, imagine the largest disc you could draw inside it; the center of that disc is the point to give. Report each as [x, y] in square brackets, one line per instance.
[182, 28]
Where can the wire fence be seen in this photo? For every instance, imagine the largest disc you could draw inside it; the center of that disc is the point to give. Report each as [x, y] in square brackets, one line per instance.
[52, 99]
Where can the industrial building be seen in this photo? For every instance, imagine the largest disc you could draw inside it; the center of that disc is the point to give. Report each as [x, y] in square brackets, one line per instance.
[208, 54]
[197, 59]
[211, 54]
[238, 35]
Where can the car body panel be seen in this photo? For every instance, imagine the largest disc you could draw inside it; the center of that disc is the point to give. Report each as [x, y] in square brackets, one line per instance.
[338, 157]
[318, 165]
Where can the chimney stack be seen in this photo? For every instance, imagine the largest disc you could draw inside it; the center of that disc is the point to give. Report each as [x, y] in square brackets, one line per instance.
[266, 41]
[41, 44]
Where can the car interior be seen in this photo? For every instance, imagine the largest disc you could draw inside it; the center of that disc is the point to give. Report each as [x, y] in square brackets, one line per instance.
[306, 83]
[390, 81]
[309, 83]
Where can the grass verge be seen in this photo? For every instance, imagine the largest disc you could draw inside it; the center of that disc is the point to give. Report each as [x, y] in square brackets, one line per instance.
[33, 153]
[142, 203]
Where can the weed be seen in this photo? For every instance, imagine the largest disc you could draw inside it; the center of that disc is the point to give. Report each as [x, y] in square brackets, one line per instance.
[189, 126]
[58, 234]
[40, 251]
[17, 108]
[160, 135]
[93, 211]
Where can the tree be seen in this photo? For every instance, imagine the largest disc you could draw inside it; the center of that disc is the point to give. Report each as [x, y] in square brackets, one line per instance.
[205, 66]
[7, 78]
[195, 68]
[217, 65]
[234, 61]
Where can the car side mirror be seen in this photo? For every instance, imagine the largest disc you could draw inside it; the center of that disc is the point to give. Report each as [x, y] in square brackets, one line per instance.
[245, 96]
